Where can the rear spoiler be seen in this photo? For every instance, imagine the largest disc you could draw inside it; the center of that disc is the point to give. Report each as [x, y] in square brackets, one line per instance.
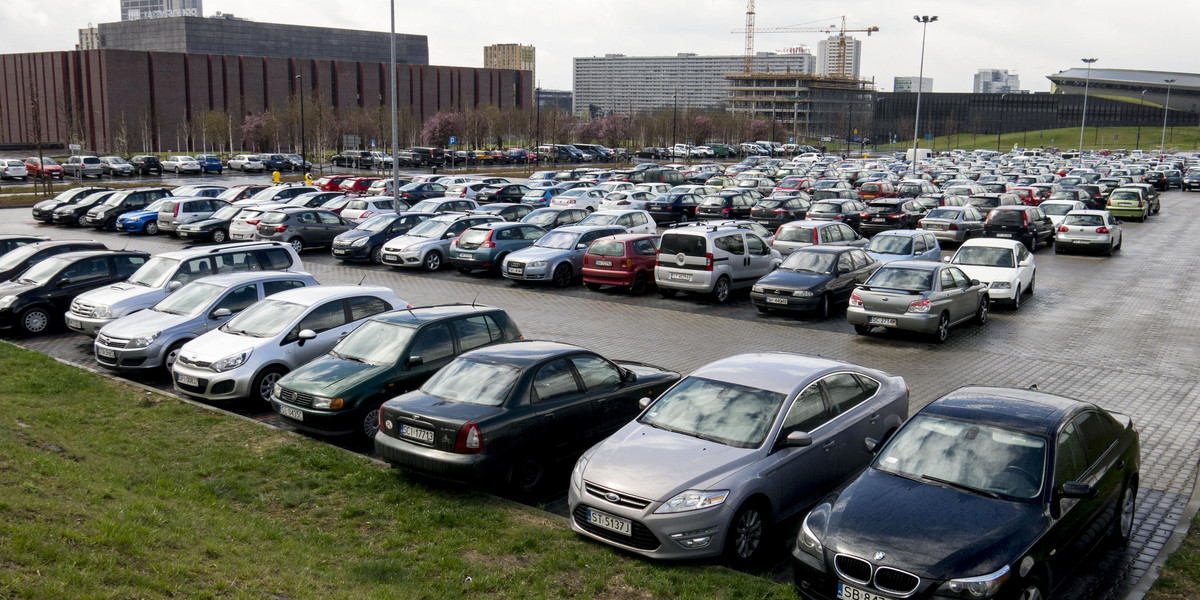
[890, 290]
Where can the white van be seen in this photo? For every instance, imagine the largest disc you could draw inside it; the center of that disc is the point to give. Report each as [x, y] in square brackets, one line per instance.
[922, 154]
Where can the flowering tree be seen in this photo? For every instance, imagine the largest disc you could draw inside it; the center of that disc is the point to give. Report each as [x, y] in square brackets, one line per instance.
[440, 127]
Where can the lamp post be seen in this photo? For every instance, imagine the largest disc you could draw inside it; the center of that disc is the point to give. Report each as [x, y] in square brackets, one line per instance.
[1166, 108]
[395, 131]
[1141, 111]
[1000, 125]
[537, 142]
[303, 150]
[675, 123]
[1083, 119]
[924, 20]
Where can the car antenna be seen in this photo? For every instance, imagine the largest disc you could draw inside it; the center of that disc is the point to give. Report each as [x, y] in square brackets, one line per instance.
[1033, 387]
[474, 299]
[360, 281]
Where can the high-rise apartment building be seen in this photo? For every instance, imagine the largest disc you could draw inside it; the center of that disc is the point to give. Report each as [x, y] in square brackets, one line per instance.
[839, 56]
[132, 10]
[909, 84]
[996, 81]
[510, 56]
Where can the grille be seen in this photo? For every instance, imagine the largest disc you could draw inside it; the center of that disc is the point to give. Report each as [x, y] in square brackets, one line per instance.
[624, 499]
[294, 397]
[771, 292]
[195, 363]
[104, 340]
[81, 308]
[642, 538]
[853, 568]
[199, 388]
[895, 581]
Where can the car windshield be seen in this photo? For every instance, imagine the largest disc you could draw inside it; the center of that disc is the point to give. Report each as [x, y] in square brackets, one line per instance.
[425, 205]
[157, 205]
[1056, 210]
[1084, 220]
[115, 160]
[429, 229]
[809, 262]
[899, 278]
[717, 411]
[541, 217]
[559, 240]
[968, 455]
[890, 244]
[116, 199]
[376, 223]
[226, 212]
[15, 257]
[796, 234]
[190, 299]
[944, 213]
[472, 382]
[155, 272]
[375, 343]
[43, 272]
[597, 219]
[982, 256]
[264, 318]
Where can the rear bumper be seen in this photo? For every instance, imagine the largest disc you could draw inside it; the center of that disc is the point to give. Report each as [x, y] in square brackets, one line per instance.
[459, 468]
[919, 322]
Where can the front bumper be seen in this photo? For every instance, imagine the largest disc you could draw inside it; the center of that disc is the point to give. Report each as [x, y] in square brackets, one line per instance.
[204, 235]
[131, 226]
[314, 420]
[439, 464]
[653, 535]
[112, 353]
[65, 218]
[525, 272]
[919, 322]
[784, 301]
[211, 385]
[351, 252]
[404, 258]
[86, 325]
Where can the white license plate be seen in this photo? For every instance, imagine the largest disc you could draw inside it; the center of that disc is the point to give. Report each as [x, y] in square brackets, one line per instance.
[291, 413]
[610, 522]
[339, 252]
[774, 300]
[516, 270]
[879, 220]
[1004, 235]
[106, 353]
[74, 323]
[604, 263]
[186, 379]
[935, 226]
[416, 433]
[1081, 241]
[762, 222]
[846, 592]
[182, 234]
[881, 321]
[679, 277]
[1124, 204]
[464, 256]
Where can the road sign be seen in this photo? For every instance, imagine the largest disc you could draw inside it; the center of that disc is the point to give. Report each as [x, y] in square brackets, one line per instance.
[929, 136]
[75, 147]
[453, 140]
[372, 143]
[791, 140]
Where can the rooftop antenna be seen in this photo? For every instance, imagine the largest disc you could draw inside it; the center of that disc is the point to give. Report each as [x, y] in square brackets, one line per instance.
[474, 299]
[360, 281]
[1033, 387]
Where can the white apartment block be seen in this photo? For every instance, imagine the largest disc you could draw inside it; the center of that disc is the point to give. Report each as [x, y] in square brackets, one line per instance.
[831, 61]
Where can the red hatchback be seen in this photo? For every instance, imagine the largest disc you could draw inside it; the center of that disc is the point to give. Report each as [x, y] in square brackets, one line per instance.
[1031, 195]
[624, 260]
[331, 183]
[43, 167]
[358, 185]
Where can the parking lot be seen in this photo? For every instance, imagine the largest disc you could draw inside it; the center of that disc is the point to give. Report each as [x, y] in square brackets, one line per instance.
[1120, 331]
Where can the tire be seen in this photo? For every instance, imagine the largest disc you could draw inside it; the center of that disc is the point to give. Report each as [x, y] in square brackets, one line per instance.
[822, 310]
[595, 287]
[433, 261]
[368, 423]
[683, 218]
[639, 284]
[943, 329]
[1016, 301]
[219, 236]
[721, 290]
[563, 275]
[264, 382]
[377, 255]
[1120, 240]
[1122, 526]
[1059, 249]
[176, 170]
[34, 321]
[1030, 588]
[526, 474]
[862, 329]
[981, 313]
[171, 354]
[1109, 250]
[1032, 280]
[110, 225]
[667, 293]
[297, 244]
[151, 228]
[82, 220]
[746, 540]
[763, 310]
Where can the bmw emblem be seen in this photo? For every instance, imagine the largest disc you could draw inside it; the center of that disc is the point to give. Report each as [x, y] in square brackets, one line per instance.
[880, 556]
[680, 259]
[611, 497]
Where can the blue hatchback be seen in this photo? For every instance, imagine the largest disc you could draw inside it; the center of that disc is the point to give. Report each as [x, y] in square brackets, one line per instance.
[904, 244]
[142, 221]
[210, 163]
[542, 196]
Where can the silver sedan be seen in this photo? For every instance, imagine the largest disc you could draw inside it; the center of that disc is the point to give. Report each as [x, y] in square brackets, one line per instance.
[920, 296]
[954, 224]
[1091, 230]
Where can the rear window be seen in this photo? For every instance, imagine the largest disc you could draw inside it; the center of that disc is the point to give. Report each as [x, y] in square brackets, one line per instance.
[168, 207]
[607, 248]
[689, 245]
[825, 207]
[1006, 217]
[272, 218]
[796, 234]
[474, 236]
[1084, 220]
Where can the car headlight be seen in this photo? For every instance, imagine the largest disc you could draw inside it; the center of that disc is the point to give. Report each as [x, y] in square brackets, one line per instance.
[976, 588]
[102, 311]
[326, 403]
[7, 301]
[690, 500]
[802, 294]
[537, 263]
[577, 472]
[758, 289]
[1001, 285]
[808, 540]
[277, 391]
[231, 362]
[360, 242]
[142, 342]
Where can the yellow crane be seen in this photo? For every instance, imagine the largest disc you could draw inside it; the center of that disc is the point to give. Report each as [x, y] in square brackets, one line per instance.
[841, 30]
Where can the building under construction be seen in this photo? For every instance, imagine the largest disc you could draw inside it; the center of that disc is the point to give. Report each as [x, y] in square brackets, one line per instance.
[808, 108]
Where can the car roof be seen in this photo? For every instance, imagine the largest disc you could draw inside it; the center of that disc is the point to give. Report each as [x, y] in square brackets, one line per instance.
[242, 277]
[584, 228]
[522, 353]
[191, 252]
[916, 265]
[425, 314]
[310, 295]
[1025, 410]
[825, 249]
[79, 254]
[903, 232]
[781, 372]
[991, 243]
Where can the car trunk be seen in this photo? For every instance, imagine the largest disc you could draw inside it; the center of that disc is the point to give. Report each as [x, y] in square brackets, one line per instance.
[886, 301]
[431, 422]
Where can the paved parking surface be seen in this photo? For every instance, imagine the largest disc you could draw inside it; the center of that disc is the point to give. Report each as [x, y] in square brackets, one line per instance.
[1123, 332]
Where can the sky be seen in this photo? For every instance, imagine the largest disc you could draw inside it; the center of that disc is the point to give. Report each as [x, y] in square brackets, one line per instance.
[1031, 38]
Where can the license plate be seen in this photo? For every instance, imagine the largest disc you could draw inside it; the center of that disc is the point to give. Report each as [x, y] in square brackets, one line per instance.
[339, 252]
[773, 300]
[1124, 204]
[881, 321]
[291, 413]
[935, 226]
[106, 353]
[464, 256]
[879, 220]
[679, 277]
[762, 222]
[186, 379]
[416, 433]
[604, 263]
[74, 323]
[1081, 241]
[515, 270]
[1004, 235]
[846, 592]
[610, 522]
[183, 234]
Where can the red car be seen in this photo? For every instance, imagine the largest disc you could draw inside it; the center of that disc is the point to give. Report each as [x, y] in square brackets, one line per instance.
[238, 192]
[357, 185]
[1031, 195]
[331, 183]
[625, 260]
[876, 190]
[43, 167]
[795, 183]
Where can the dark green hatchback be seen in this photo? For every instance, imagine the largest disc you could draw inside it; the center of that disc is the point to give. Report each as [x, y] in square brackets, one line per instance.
[391, 353]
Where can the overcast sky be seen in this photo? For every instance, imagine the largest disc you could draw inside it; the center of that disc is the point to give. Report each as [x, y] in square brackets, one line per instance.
[1031, 38]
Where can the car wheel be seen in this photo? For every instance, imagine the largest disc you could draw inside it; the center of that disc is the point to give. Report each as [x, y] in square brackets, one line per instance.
[639, 284]
[377, 255]
[297, 245]
[433, 261]
[763, 310]
[464, 270]
[1122, 528]
[1032, 280]
[1120, 240]
[683, 218]
[219, 236]
[721, 290]
[1031, 589]
[942, 333]
[1109, 251]
[981, 313]
[151, 228]
[745, 542]
[368, 423]
[264, 384]
[526, 474]
[34, 321]
[82, 221]
[1016, 301]
[1058, 249]
[595, 287]
[176, 170]
[822, 311]
[110, 224]
[666, 293]
[562, 275]
[171, 355]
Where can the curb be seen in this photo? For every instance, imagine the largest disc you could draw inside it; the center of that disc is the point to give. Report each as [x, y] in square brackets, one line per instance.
[1180, 532]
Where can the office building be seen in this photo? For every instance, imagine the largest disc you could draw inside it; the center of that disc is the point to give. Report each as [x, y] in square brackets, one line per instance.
[510, 56]
[556, 99]
[996, 81]
[132, 10]
[909, 84]
[616, 83]
[839, 56]
[806, 108]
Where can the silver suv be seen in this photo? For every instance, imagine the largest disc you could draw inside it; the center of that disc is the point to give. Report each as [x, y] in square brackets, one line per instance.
[169, 271]
[712, 260]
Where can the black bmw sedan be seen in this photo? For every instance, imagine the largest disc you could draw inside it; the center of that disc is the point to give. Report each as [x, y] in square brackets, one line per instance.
[986, 492]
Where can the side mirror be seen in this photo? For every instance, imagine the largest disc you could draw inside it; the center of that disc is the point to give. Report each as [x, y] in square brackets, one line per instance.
[174, 285]
[305, 335]
[414, 361]
[628, 376]
[974, 282]
[221, 313]
[643, 403]
[946, 258]
[449, 235]
[796, 439]
[1026, 262]
[63, 282]
[1076, 489]
[581, 246]
[871, 444]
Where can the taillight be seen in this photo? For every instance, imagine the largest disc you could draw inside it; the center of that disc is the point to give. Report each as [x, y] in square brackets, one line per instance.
[839, 217]
[855, 300]
[708, 262]
[895, 216]
[177, 209]
[864, 215]
[952, 227]
[779, 211]
[816, 236]
[281, 229]
[1101, 230]
[488, 243]
[627, 263]
[726, 210]
[1063, 229]
[919, 306]
[469, 441]
[1025, 218]
[253, 221]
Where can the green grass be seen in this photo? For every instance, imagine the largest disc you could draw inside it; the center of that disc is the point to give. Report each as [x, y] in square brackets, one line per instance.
[1179, 579]
[107, 491]
[1094, 138]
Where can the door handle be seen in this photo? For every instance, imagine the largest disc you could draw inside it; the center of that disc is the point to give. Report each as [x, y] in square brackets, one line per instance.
[549, 416]
[829, 445]
[874, 418]
[1120, 464]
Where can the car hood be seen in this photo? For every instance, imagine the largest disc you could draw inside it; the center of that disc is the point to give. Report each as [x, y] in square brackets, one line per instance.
[143, 323]
[47, 204]
[204, 223]
[328, 375]
[989, 274]
[533, 253]
[408, 242]
[124, 294]
[137, 215]
[12, 288]
[681, 462]
[932, 531]
[795, 280]
[217, 344]
[887, 258]
[352, 235]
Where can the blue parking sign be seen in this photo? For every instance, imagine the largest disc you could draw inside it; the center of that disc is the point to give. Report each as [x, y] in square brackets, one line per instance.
[453, 140]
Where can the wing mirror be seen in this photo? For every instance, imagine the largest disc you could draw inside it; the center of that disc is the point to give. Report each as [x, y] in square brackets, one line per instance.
[796, 439]
[871, 444]
[414, 361]
[974, 282]
[174, 285]
[643, 403]
[1076, 489]
[581, 246]
[305, 335]
[628, 376]
[221, 313]
[946, 258]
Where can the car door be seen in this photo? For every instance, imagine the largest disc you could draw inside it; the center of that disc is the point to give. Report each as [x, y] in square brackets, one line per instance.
[759, 259]
[855, 414]
[614, 403]
[967, 299]
[432, 348]
[845, 278]
[329, 226]
[799, 475]
[81, 276]
[235, 300]
[328, 321]
[1071, 517]
[566, 421]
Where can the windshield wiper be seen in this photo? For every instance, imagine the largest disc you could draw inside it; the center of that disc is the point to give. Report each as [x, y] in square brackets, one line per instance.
[961, 486]
[27, 281]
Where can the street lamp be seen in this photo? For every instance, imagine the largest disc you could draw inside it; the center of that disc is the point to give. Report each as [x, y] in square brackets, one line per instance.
[1166, 108]
[924, 20]
[1083, 119]
[1141, 111]
[395, 130]
[1000, 125]
[303, 150]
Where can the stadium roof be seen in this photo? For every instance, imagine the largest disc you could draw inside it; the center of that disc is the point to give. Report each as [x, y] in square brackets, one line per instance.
[1129, 77]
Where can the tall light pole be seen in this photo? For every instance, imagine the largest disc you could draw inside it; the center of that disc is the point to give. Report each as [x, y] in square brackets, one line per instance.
[537, 141]
[924, 20]
[1000, 124]
[303, 149]
[1166, 108]
[1141, 111]
[395, 131]
[1083, 119]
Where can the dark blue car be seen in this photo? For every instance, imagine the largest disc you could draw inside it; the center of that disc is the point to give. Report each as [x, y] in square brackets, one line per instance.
[142, 221]
[210, 163]
[366, 241]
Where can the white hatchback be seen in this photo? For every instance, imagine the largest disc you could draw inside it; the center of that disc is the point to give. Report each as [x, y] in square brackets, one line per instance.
[1006, 266]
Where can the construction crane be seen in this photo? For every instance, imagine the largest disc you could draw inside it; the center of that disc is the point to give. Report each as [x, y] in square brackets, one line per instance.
[842, 30]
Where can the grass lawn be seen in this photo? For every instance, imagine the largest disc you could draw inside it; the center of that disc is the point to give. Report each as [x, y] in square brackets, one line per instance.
[1179, 579]
[107, 491]
[1095, 138]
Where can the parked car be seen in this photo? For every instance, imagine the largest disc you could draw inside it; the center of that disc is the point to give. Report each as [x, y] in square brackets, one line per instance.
[317, 199]
[624, 260]
[105, 214]
[501, 192]
[242, 191]
[357, 185]
[484, 246]
[634, 221]
[428, 244]
[246, 356]
[146, 164]
[738, 446]
[631, 199]
[1006, 267]
[505, 210]
[844, 210]
[301, 227]
[181, 163]
[444, 205]
[712, 260]
[815, 279]
[890, 214]
[181, 211]
[276, 194]
[244, 225]
[74, 214]
[554, 217]
[214, 229]
[877, 190]
[201, 190]
[585, 198]
[1050, 473]
[556, 257]
[1096, 230]
[773, 212]
[277, 162]
[246, 163]
[210, 163]
[43, 168]
[925, 297]
[365, 242]
[1129, 203]
[1057, 209]
[32, 301]
[415, 192]
[482, 418]
[330, 183]
[10, 242]
[16, 260]
[151, 339]
[726, 204]
[44, 211]
[360, 209]
[955, 224]
[83, 166]
[391, 353]
[1027, 224]
[986, 202]
[674, 207]
[807, 232]
[1191, 180]
[11, 168]
[904, 244]
[115, 165]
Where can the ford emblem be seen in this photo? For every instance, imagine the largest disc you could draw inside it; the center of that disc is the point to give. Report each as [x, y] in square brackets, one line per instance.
[680, 259]
[611, 497]
[880, 556]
